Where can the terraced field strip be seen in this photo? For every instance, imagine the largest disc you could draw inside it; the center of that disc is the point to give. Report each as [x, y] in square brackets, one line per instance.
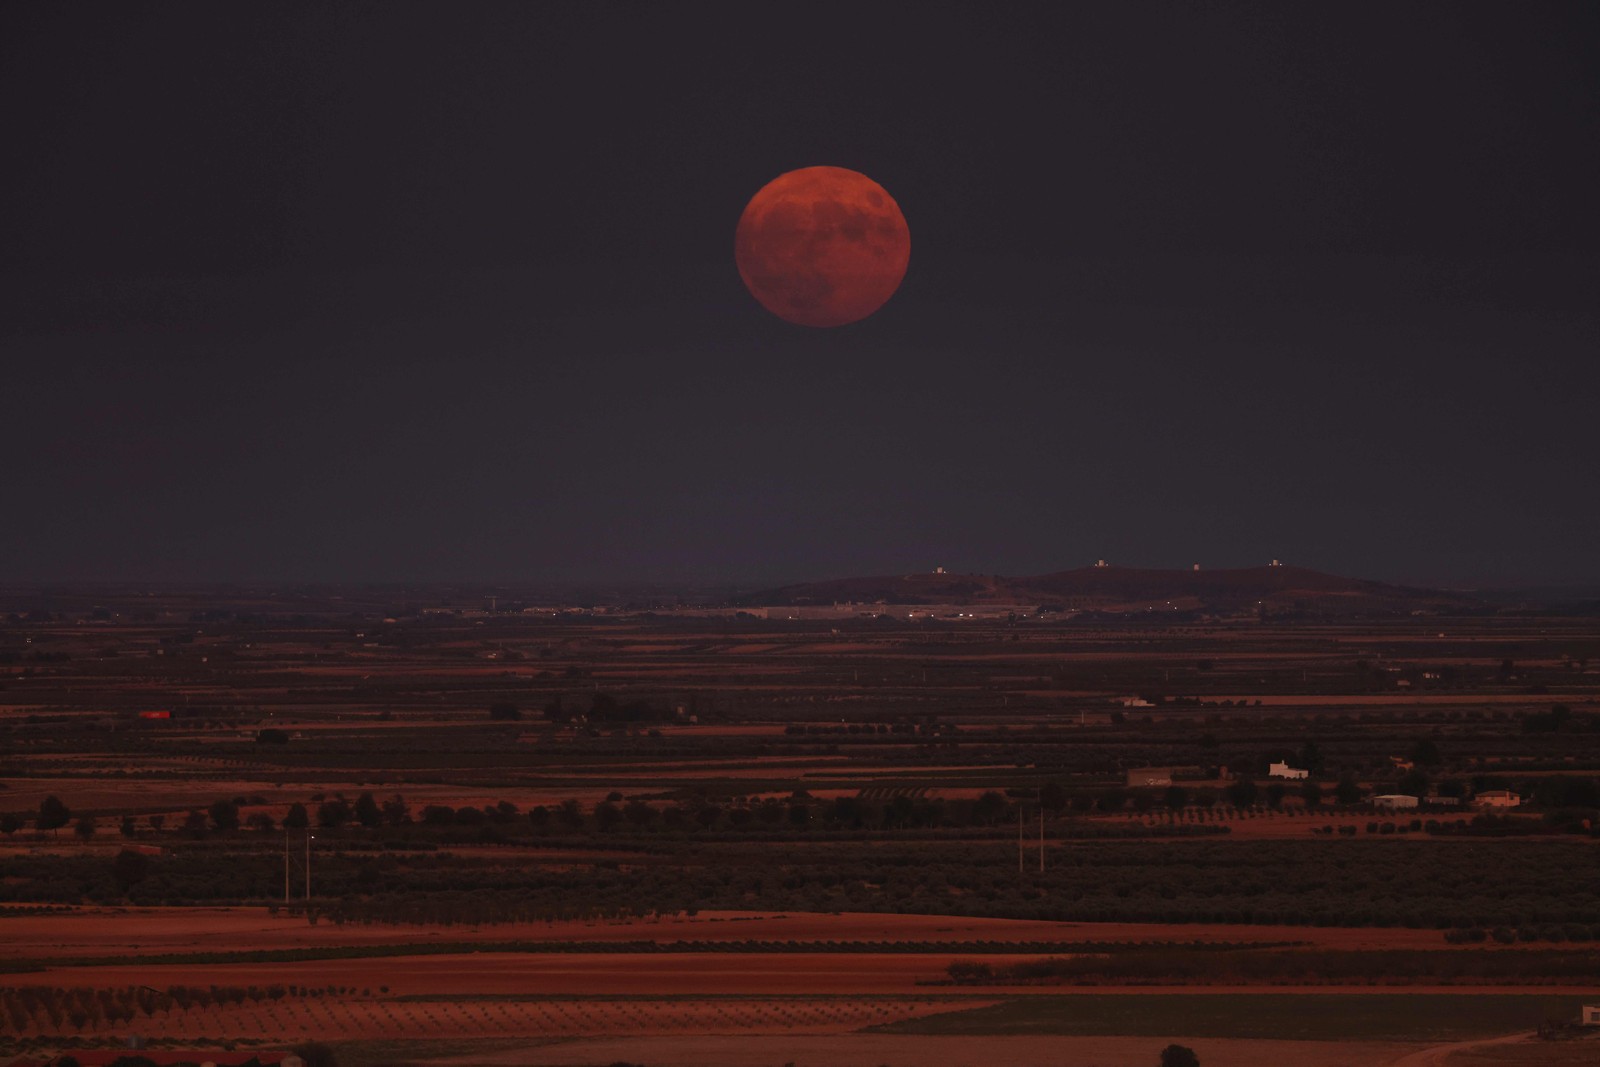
[468, 1017]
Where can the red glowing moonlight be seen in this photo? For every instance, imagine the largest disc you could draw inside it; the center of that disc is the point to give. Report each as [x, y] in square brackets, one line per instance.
[822, 246]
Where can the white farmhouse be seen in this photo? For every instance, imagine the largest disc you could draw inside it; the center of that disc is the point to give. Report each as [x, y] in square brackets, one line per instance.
[1499, 798]
[1283, 770]
[1394, 801]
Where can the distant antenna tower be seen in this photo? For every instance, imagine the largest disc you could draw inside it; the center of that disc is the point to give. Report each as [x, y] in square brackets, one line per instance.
[494, 602]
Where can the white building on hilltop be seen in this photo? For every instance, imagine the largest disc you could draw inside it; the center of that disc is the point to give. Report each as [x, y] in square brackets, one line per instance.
[1283, 770]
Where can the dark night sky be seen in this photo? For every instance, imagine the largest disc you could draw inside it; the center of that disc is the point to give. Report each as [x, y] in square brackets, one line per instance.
[446, 292]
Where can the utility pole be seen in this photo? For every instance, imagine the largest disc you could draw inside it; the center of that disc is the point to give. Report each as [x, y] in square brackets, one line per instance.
[286, 866]
[1019, 837]
[1041, 838]
[309, 839]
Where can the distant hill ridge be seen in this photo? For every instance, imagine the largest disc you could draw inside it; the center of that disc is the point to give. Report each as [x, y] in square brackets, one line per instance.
[1113, 588]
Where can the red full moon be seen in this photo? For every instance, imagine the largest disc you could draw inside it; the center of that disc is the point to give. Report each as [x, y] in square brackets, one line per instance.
[822, 246]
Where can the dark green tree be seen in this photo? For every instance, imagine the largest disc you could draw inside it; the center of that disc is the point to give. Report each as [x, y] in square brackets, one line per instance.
[1310, 758]
[296, 818]
[1414, 782]
[85, 828]
[989, 808]
[1348, 791]
[53, 814]
[1179, 1056]
[571, 813]
[396, 812]
[438, 815]
[639, 813]
[224, 816]
[368, 813]
[129, 868]
[1425, 753]
[1242, 793]
[332, 814]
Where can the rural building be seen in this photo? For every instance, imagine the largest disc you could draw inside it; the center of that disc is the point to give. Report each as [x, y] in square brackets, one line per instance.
[1442, 802]
[1150, 776]
[1499, 798]
[1283, 770]
[1394, 801]
[1589, 1015]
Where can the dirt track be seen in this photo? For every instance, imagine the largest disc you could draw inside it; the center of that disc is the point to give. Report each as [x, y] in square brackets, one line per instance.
[878, 1050]
[1440, 1055]
[156, 931]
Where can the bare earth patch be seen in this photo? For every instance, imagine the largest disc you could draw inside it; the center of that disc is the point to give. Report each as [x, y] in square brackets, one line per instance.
[874, 1050]
[161, 931]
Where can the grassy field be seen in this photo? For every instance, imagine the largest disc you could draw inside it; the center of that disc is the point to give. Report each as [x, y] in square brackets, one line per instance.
[1303, 1016]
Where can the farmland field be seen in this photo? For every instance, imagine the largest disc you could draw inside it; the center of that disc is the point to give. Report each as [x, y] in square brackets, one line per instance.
[672, 839]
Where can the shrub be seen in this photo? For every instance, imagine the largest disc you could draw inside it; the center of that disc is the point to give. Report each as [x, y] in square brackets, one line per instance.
[1179, 1056]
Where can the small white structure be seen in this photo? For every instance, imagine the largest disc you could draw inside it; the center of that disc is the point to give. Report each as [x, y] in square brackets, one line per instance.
[1499, 798]
[1394, 801]
[1283, 770]
[1100, 563]
[1589, 1015]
